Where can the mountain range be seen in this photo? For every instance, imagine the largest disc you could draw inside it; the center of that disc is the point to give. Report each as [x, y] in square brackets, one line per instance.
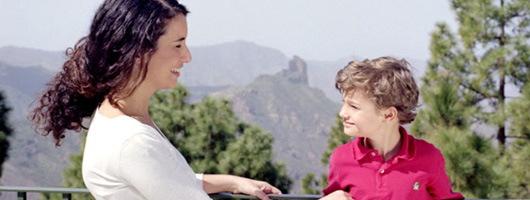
[297, 115]
[295, 100]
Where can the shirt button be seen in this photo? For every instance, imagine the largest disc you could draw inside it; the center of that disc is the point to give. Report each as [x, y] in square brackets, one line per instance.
[382, 171]
[373, 153]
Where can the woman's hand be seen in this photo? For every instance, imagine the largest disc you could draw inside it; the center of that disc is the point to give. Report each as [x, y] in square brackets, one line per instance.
[235, 184]
[338, 195]
[259, 189]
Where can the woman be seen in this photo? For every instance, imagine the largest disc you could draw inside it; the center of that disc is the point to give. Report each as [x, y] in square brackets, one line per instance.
[134, 48]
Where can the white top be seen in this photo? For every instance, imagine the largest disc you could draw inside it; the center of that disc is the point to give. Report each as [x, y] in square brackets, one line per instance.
[126, 159]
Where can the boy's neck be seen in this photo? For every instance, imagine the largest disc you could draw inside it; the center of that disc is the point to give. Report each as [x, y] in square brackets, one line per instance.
[387, 142]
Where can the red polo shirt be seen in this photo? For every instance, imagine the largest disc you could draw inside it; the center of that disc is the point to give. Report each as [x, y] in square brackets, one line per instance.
[417, 171]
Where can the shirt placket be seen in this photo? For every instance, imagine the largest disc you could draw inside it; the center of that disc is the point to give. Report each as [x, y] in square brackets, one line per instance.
[380, 167]
[381, 174]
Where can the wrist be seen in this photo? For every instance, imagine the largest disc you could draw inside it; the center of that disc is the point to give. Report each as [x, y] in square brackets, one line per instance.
[234, 184]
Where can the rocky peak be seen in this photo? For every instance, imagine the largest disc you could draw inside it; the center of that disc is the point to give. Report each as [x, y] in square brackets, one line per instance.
[297, 71]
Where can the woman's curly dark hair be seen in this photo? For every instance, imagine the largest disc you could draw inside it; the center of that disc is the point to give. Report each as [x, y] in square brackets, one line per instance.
[108, 63]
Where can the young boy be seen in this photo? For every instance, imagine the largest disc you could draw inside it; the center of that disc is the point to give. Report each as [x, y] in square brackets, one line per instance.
[384, 162]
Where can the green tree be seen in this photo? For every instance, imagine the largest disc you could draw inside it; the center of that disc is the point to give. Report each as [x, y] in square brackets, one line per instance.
[490, 54]
[310, 184]
[465, 85]
[251, 156]
[518, 155]
[213, 140]
[5, 131]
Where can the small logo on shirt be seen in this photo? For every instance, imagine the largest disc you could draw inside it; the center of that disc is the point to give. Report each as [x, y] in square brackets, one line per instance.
[416, 186]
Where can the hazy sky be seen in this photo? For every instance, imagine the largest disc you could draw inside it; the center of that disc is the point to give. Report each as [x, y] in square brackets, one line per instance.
[323, 30]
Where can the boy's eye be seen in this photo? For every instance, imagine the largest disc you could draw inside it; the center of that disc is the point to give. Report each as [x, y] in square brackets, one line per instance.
[178, 46]
[344, 102]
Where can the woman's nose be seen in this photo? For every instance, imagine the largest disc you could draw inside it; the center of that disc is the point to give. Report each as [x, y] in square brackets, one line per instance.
[186, 57]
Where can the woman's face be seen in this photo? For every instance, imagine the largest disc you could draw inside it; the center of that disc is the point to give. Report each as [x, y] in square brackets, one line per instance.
[163, 69]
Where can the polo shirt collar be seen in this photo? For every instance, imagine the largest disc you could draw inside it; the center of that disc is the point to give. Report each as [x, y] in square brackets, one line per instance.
[406, 152]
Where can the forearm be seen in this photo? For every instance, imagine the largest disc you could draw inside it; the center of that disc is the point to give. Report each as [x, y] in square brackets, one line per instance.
[228, 183]
[214, 183]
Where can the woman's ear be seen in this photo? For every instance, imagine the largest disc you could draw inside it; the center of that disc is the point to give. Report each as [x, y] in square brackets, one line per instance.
[390, 114]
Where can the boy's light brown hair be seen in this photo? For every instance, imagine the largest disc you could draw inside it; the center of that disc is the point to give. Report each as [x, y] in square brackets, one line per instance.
[386, 81]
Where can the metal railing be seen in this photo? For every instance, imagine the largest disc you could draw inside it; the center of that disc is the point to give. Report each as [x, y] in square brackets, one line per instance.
[22, 193]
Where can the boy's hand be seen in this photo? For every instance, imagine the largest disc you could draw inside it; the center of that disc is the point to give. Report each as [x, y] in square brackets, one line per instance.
[338, 195]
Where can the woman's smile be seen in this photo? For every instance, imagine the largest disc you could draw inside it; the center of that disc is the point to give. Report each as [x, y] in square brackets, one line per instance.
[176, 71]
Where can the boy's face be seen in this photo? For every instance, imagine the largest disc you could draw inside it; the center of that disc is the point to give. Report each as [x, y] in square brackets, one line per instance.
[360, 116]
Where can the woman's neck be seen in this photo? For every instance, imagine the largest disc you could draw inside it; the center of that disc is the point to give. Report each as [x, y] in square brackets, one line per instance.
[388, 143]
[136, 105]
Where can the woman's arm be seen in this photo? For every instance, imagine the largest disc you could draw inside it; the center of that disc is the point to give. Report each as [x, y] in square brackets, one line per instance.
[214, 183]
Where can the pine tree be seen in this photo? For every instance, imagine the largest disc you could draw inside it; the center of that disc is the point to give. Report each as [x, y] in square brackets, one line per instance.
[491, 53]
[5, 131]
[311, 185]
[465, 86]
[518, 155]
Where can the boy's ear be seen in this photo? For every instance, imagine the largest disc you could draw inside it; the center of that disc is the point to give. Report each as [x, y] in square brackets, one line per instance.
[390, 114]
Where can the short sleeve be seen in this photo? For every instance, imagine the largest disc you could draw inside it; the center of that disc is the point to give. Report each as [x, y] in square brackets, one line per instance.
[199, 178]
[441, 185]
[146, 164]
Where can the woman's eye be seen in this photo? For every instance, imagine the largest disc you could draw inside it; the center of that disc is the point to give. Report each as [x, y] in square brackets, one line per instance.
[178, 46]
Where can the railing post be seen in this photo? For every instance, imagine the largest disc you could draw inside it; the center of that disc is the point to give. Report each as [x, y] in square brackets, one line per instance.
[22, 196]
[67, 196]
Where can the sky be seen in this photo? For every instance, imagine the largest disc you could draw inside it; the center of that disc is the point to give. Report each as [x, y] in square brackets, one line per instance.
[323, 30]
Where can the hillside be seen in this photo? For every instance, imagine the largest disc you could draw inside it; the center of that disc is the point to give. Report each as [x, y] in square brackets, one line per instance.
[21, 85]
[24, 57]
[233, 63]
[34, 160]
[297, 115]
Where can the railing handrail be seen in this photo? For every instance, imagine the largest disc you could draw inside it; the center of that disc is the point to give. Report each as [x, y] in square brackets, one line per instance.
[43, 189]
[68, 191]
